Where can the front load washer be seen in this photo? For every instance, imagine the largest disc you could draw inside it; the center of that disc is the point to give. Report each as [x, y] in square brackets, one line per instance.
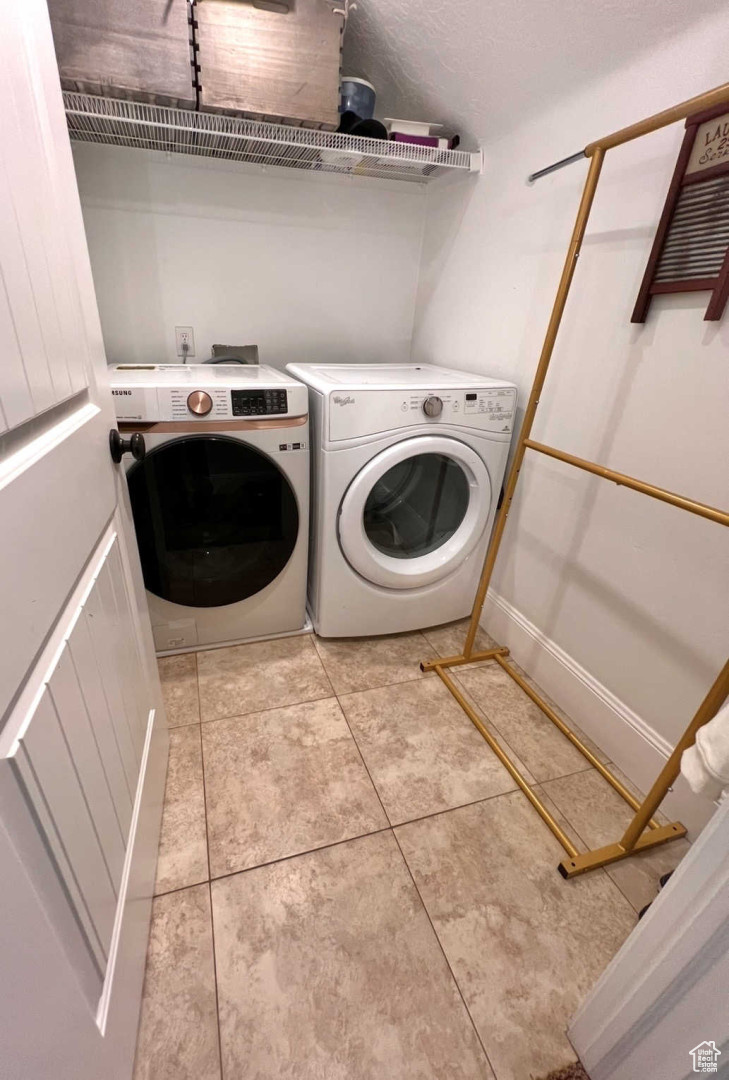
[407, 465]
[221, 499]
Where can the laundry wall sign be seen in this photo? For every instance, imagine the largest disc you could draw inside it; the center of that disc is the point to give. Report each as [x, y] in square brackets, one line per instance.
[690, 251]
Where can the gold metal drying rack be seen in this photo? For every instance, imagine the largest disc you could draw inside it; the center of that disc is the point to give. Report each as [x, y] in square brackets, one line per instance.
[635, 838]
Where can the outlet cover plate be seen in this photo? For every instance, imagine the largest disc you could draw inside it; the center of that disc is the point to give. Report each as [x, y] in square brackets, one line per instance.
[185, 334]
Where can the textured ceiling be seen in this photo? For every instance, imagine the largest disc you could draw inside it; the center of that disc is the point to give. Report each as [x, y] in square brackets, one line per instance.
[477, 65]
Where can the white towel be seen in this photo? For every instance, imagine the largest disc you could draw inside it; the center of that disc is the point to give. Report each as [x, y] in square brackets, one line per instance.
[706, 764]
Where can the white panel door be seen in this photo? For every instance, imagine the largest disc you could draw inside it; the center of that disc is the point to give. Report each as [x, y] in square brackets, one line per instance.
[83, 739]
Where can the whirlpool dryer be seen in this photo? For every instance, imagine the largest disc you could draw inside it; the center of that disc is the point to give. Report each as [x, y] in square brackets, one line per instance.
[408, 463]
[220, 499]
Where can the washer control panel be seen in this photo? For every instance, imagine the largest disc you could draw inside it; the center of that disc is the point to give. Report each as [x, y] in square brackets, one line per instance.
[492, 405]
[368, 412]
[258, 402]
[164, 404]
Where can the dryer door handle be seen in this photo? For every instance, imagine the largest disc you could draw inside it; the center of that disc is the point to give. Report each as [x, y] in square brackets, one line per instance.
[134, 446]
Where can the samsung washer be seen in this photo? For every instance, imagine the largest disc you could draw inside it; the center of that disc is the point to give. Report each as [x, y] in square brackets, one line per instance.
[221, 499]
[407, 466]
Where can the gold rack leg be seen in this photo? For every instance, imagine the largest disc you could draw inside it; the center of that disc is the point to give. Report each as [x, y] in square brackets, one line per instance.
[575, 863]
[454, 661]
[574, 739]
[611, 853]
[508, 764]
[634, 838]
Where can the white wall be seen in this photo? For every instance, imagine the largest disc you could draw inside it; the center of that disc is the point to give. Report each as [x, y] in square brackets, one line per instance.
[631, 593]
[307, 267]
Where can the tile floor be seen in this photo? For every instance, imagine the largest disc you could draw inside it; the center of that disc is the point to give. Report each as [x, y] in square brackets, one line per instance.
[349, 886]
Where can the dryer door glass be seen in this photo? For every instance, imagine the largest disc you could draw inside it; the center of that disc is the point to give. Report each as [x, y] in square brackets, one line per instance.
[416, 506]
[415, 511]
[216, 520]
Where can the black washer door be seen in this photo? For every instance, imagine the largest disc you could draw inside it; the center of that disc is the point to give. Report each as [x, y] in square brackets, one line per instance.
[216, 520]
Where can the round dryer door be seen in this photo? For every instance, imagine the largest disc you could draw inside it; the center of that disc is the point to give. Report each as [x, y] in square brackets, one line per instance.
[415, 512]
[216, 520]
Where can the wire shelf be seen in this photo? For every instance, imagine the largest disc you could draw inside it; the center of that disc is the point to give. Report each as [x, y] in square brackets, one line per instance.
[182, 131]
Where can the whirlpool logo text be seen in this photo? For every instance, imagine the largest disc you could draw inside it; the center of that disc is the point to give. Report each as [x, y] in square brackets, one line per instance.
[339, 400]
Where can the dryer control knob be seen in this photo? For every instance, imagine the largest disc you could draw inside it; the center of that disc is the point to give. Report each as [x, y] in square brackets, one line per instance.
[433, 406]
[199, 403]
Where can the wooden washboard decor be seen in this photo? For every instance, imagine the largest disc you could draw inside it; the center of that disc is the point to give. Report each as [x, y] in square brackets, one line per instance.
[690, 251]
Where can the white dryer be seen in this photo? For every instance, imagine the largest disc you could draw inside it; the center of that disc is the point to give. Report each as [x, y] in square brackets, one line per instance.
[407, 466]
[220, 500]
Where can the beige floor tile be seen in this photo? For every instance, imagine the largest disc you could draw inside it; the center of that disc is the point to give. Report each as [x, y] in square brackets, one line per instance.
[494, 732]
[263, 675]
[449, 639]
[524, 944]
[284, 781]
[564, 823]
[328, 969]
[600, 816]
[178, 675]
[572, 724]
[363, 663]
[183, 849]
[544, 749]
[423, 753]
[178, 1031]
[639, 795]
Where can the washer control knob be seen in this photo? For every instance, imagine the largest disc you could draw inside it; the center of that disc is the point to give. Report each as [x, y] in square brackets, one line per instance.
[432, 406]
[199, 403]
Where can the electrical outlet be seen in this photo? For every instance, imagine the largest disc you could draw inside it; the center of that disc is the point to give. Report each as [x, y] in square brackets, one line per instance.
[184, 335]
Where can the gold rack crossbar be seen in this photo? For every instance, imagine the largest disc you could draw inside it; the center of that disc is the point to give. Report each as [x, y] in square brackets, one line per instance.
[635, 837]
[710, 512]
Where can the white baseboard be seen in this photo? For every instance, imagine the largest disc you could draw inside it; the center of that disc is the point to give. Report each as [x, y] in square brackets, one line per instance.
[630, 742]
